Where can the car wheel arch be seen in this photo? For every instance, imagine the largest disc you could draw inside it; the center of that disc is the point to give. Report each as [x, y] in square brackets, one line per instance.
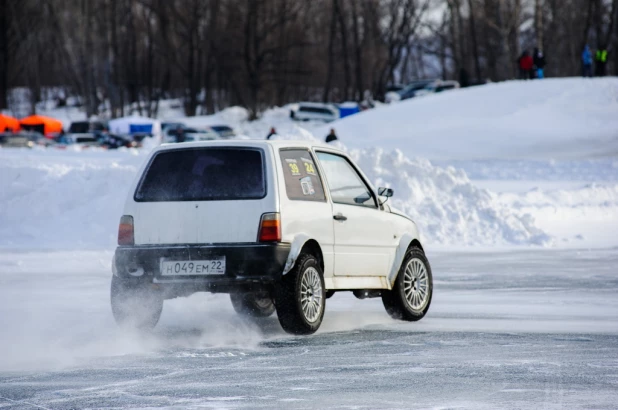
[303, 243]
[406, 242]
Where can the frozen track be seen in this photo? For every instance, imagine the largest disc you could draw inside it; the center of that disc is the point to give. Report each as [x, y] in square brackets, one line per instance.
[506, 330]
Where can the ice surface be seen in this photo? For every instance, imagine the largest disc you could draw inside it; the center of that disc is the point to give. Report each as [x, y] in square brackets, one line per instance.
[505, 330]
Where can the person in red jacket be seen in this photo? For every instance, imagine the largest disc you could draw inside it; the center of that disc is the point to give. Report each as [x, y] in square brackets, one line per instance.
[526, 65]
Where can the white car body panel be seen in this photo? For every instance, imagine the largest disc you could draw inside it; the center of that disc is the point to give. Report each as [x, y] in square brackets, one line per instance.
[364, 252]
[202, 222]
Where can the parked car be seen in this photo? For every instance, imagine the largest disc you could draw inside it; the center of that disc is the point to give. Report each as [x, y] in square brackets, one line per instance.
[437, 87]
[83, 127]
[207, 134]
[84, 140]
[279, 225]
[308, 111]
[166, 125]
[191, 134]
[114, 141]
[394, 87]
[23, 139]
[224, 131]
[407, 92]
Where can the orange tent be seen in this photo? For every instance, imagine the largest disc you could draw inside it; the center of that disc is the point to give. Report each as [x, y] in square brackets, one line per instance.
[42, 124]
[8, 123]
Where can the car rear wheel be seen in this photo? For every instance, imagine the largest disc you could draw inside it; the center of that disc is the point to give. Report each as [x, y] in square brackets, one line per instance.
[300, 297]
[252, 304]
[411, 296]
[135, 305]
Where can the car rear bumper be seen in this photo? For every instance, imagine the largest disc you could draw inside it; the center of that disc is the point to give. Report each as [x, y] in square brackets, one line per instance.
[249, 267]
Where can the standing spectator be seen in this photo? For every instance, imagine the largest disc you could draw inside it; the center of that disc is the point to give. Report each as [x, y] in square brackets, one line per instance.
[600, 60]
[586, 62]
[525, 66]
[180, 134]
[331, 136]
[539, 63]
[271, 133]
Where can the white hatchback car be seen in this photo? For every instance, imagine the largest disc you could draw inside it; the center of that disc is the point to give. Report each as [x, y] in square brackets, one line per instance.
[280, 225]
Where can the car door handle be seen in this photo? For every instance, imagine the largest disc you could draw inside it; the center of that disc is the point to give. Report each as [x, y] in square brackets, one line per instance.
[340, 217]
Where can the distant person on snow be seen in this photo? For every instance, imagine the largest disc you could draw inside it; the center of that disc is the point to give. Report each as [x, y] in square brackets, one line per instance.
[526, 65]
[180, 134]
[331, 136]
[539, 63]
[600, 61]
[271, 133]
[586, 62]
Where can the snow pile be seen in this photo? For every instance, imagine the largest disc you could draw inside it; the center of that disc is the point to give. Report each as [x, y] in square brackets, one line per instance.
[592, 169]
[65, 199]
[583, 216]
[73, 200]
[553, 118]
[448, 208]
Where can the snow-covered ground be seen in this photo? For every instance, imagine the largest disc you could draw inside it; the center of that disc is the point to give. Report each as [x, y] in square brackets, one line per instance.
[514, 186]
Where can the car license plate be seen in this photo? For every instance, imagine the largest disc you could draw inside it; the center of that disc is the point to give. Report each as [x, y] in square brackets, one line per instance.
[203, 267]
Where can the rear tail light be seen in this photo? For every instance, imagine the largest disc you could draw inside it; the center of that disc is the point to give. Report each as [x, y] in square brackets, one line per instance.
[270, 228]
[125, 231]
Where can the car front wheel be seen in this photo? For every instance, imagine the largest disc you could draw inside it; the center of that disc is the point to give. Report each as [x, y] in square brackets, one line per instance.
[411, 296]
[135, 305]
[300, 297]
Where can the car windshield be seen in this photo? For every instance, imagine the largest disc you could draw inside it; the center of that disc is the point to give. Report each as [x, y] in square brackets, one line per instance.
[204, 174]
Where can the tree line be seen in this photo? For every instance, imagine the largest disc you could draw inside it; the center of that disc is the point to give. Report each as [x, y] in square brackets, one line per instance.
[129, 54]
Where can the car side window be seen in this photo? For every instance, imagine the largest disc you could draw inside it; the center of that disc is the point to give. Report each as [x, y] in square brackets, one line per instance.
[302, 182]
[345, 184]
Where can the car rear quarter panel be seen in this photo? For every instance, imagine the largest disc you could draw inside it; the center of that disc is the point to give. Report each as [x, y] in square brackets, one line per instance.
[302, 221]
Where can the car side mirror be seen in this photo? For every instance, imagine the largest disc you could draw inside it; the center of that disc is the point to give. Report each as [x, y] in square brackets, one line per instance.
[387, 192]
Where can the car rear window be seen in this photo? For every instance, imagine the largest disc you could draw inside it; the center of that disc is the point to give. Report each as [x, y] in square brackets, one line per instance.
[203, 174]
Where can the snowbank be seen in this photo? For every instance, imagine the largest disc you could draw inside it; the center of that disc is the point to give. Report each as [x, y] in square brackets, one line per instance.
[74, 199]
[448, 208]
[57, 200]
[553, 118]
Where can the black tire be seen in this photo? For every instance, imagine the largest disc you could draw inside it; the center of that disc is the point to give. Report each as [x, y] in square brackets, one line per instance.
[289, 293]
[135, 305]
[252, 304]
[400, 307]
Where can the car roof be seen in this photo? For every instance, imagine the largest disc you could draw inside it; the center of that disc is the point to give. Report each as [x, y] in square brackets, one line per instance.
[276, 144]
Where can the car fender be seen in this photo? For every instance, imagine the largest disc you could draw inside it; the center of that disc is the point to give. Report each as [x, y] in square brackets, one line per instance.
[297, 245]
[402, 248]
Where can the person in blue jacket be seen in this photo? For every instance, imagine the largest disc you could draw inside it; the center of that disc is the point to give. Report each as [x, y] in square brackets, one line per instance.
[587, 62]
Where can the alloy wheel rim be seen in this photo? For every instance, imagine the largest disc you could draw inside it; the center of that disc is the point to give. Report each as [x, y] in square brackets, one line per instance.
[311, 294]
[263, 302]
[416, 284]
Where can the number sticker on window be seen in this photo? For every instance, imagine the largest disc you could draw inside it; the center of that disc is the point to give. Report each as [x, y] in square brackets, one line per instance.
[293, 165]
[309, 168]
